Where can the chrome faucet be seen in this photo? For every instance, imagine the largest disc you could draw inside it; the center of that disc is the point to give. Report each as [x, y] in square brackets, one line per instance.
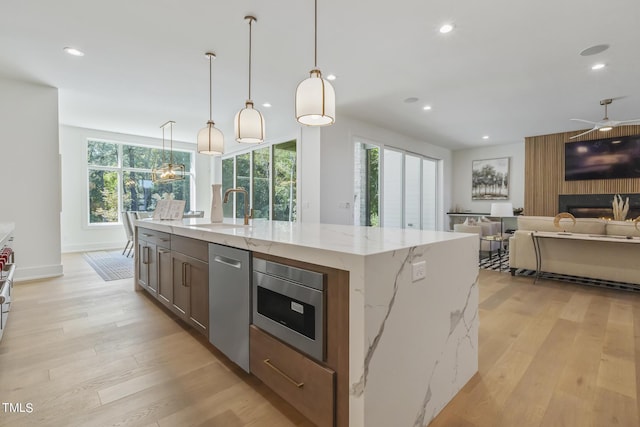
[247, 216]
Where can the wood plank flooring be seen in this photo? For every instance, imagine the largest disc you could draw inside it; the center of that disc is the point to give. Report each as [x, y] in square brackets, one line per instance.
[85, 352]
[551, 354]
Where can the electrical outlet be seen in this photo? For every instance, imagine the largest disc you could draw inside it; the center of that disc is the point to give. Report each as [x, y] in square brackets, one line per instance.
[419, 270]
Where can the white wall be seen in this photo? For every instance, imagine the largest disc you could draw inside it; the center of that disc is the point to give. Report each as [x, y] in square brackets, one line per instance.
[337, 166]
[309, 174]
[462, 159]
[77, 235]
[30, 176]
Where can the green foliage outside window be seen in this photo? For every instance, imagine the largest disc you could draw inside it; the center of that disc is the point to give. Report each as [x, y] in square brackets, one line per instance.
[227, 182]
[279, 175]
[132, 173]
[243, 179]
[284, 181]
[103, 196]
[260, 203]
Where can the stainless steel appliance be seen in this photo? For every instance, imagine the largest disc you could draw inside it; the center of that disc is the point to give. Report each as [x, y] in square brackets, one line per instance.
[230, 302]
[7, 270]
[288, 302]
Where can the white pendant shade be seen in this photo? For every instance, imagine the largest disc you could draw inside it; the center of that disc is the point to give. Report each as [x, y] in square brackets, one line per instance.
[210, 140]
[315, 101]
[249, 125]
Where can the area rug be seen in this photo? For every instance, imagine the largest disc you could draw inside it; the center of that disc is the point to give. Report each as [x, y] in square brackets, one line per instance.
[496, 262]
[110, 265]
[501, 263]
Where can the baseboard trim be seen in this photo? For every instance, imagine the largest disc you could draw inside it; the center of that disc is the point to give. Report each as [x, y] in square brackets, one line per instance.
[105, 246]
[34, 273]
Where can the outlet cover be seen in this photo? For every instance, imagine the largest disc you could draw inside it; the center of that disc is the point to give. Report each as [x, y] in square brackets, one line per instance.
[419, 270]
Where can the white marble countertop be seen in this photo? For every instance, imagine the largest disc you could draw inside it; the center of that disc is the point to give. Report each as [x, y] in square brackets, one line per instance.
[345, 239]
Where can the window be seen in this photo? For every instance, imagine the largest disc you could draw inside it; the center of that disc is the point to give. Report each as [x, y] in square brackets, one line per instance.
[269, 175]
[366, 184]
[119, 179]
[409, 188]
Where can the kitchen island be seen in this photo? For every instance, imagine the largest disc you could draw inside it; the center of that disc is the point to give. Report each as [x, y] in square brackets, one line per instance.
[412, 310]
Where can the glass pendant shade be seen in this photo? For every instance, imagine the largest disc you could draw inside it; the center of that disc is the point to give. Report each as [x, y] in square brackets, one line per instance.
[210, 140]
[315, 101]
[249, 125]
[168, 171]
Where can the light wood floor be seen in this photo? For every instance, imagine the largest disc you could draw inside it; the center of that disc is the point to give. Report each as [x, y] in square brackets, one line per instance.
[551, 354]
[85, 352]
[90, 353]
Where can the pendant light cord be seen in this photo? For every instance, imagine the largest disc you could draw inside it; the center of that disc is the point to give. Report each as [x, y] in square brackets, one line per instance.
[315, 33]
[171, 141]
[210, 91]
[250, 21]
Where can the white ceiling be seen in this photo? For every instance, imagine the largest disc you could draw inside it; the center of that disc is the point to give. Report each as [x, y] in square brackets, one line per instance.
[510, 69]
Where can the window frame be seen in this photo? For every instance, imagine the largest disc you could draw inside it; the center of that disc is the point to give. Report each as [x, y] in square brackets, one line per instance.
[120, 170]
[271, 146]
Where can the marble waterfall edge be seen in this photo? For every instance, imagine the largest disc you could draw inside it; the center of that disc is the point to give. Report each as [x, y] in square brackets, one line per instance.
[421, 338]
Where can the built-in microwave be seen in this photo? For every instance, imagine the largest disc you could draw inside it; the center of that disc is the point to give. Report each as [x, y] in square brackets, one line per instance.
[289, 303]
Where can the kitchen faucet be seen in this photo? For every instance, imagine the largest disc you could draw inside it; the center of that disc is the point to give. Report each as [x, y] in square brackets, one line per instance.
[247, 217]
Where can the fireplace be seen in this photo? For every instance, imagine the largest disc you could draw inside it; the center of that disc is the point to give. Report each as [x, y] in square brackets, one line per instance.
[596, 205]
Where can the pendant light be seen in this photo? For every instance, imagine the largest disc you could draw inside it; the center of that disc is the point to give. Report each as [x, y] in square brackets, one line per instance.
[210, 139]
[315, 97]
[168, 172]
[249, 123]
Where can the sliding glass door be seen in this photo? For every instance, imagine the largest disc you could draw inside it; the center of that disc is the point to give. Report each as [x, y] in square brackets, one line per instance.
[408, 192]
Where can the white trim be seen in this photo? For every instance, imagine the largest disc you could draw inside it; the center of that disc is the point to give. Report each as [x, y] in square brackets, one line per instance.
[35, 273]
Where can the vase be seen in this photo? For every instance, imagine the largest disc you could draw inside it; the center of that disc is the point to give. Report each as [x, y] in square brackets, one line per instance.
[216, 203]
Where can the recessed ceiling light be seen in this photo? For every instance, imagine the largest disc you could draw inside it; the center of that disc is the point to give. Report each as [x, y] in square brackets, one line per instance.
[599, 66]
[331, 77]
[427, 107]
[266, 105]
[485, 137]
[593, 50]
[411, 100]
[446, 28]
[73, 51]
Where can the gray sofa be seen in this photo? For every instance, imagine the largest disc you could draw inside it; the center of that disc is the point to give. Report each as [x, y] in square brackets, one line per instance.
[606, 253]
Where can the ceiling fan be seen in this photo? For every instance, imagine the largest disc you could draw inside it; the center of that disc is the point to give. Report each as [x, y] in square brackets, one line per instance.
[605, 124]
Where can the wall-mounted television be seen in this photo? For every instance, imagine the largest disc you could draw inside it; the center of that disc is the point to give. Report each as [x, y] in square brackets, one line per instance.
[602, 159]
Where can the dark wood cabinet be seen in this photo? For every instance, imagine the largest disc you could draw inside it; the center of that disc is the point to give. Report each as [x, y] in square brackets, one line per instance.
[147, 266]
[191, 290]
[175, 270]
[305, 384]
[165, 276]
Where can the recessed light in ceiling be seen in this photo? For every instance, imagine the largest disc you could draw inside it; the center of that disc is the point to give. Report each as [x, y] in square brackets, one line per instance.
[593, 50]
[485, 137]
[266, 105]
[411, 100]
[427, 107]
[73, 51]
[599, 66]
[446, 28]
[331, 77]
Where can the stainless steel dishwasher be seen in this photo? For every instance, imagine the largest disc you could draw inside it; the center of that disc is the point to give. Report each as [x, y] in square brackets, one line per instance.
[230, 302]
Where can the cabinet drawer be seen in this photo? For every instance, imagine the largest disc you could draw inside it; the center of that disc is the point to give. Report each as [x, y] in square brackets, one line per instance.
[306, 385]
[153, 236]
[198, 249]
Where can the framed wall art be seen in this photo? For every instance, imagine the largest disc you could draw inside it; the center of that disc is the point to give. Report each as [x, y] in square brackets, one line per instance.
[490, 179]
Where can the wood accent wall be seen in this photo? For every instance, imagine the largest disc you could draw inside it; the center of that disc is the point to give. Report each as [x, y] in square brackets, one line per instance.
[544, 172]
